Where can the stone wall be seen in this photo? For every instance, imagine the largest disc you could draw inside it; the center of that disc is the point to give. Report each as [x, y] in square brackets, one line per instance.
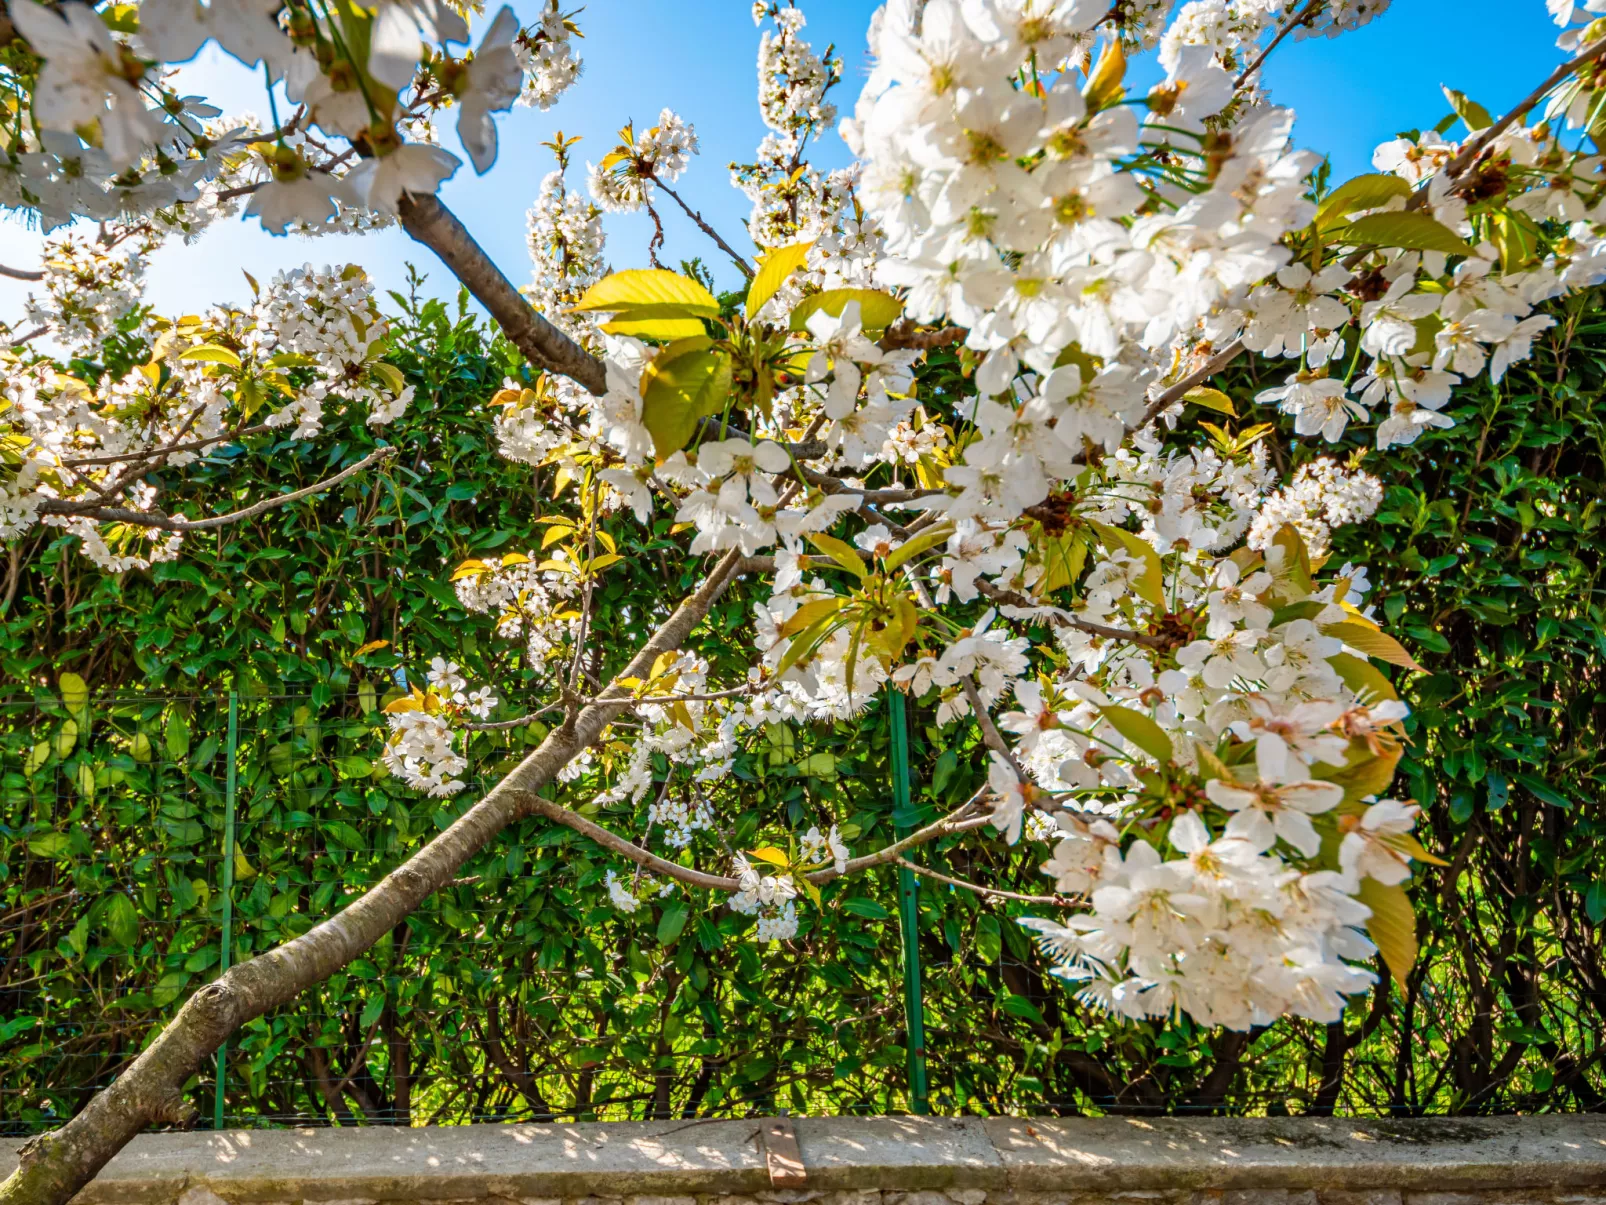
[877, 1161]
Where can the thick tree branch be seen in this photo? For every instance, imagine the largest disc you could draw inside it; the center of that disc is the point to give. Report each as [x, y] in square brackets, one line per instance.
[543, 344]
[162, 522]
[20, 273]
[906, 333]
[56, 1165]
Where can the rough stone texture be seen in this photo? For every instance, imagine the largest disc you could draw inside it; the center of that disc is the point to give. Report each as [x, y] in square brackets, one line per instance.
[878, 1161]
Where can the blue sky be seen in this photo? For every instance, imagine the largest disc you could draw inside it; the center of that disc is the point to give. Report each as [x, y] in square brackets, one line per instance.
[697, 57]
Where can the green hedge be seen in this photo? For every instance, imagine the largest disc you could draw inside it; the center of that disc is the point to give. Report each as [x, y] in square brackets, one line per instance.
[519, 992]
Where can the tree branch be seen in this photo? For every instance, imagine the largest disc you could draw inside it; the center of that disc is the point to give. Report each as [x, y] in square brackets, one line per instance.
[697, 218]
[1061, 901]
[1303, 17]
[170, 449]
[1009, 598]
[1475, 145]
[907, 333]
[541, 343]
[20, 273]
[56, 1165]
[162, 522]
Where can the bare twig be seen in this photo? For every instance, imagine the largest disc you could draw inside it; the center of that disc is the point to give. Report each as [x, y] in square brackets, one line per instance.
[162, 522]
[1303, 17]
[697, 219]
[989, 730]
[1010, 598]
[504, 725]
[170, 449]
[926, 872]
[24, 340]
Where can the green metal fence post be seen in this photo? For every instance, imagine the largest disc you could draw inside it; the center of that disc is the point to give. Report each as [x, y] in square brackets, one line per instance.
[909, 918]
[228, 888]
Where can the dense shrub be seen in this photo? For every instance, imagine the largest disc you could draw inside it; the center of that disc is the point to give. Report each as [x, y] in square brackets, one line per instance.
[521, 992]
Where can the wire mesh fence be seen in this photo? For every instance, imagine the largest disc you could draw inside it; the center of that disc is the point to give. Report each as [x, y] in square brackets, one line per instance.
[150, 842]
[519, 992]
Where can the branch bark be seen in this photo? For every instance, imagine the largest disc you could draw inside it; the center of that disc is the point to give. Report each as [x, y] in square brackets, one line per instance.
[20, 273]
[543, 344]
[56, 1165]
[164, 522]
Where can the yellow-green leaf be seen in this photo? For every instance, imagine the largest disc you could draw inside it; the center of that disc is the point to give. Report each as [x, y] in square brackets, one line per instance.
[66, 737]
[74, 692]
[913, 547]
[685, 382]
[1211, 399]
[1372, 642]
[390, 374]
[665, 323]
[773, 270]
[211, 353]
[1363, 192]
[1151, 586]
[877, 310]
[1104, 82]
[841, 552]
[1140, 730]
[1468, 110]
[768, 853]
[1411, 231]
[1364, 678]
[636, 287]
[1392, 926]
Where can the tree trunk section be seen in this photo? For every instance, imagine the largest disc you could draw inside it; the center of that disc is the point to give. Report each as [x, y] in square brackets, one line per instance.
[55, 1165]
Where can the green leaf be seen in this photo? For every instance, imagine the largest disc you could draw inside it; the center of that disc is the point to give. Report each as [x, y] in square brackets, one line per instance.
[1411, 231]
[1020, 1006]
[1141, 731]
[1392, 926]
[49, 845]
[167, 988]
[687, 381]
[773, 270]
[371, 1010]
[1541, 790]
[1468, 110]
[818, 765]
[120, 919]
[74, 692]
[877, 310]
[863, 906]
[1363, 192]
[637, 287]
[178, 735]
[672, 921]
